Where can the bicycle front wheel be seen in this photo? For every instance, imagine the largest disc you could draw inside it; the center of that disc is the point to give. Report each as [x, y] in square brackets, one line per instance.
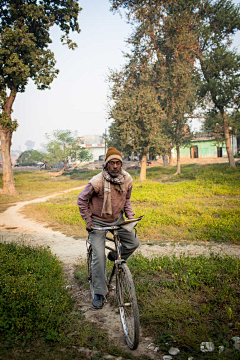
[128, 307]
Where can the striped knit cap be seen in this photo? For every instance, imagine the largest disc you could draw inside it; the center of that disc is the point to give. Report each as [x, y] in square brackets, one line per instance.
[113, 153]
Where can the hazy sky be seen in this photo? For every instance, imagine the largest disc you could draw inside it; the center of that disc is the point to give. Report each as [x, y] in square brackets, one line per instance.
[78, 96]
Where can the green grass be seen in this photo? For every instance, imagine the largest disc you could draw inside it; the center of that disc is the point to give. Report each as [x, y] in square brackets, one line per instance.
[38, 317]
[185, 300]
[32, 293]
[201, 204]
[35, 184]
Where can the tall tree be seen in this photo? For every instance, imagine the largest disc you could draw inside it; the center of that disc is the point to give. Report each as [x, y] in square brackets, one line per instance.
[164, 30]
[137, 114]
[221, 78]
[24, 54]
[220, 64]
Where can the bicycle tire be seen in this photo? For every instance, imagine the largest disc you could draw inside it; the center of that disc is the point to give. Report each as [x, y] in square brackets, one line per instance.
[89, 263]
[128, 306]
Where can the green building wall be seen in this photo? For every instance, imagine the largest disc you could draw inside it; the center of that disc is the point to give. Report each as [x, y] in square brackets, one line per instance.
[206, 148]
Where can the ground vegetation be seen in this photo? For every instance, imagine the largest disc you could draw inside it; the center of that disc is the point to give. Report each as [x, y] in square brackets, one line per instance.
[200, 204]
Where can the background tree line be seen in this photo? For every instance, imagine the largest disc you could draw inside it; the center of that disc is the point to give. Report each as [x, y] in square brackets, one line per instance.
[62, 146]
[180, 64]
[180, 60]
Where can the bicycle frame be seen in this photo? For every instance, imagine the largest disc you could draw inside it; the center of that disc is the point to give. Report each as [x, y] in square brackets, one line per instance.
[117, 244]
[125, 289]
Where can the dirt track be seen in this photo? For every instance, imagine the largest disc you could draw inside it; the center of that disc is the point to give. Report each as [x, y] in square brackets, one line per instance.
[15, 227]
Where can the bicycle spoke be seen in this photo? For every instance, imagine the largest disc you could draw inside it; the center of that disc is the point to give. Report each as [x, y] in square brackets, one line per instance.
[128, 306]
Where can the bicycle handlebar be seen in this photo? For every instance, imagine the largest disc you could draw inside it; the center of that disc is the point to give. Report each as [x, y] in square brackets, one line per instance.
[127, 224]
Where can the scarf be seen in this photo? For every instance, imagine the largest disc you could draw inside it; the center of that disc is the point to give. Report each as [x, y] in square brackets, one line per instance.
[118, 185]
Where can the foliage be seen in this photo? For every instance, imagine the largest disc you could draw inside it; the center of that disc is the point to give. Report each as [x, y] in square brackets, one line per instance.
[31, 157]
[25, 38]
[214, 123]
[62, 146]
[7, 123]
[32, 293]
[202, 204]
[38, 311]
[186, 300]
[25, 54]
[137, 113]
[221, 69]
[219, 63]
[164, 41]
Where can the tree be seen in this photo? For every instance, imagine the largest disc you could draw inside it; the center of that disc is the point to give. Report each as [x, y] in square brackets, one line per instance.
[214, 123]
[204, 28]
[137, 114]
[30, 157]
[220, 65]
[221, 72]
[24, 54]
[62, 146]
[164, 33]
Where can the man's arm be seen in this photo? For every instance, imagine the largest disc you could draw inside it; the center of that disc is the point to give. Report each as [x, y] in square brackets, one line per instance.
[83, 199]
[128, 206]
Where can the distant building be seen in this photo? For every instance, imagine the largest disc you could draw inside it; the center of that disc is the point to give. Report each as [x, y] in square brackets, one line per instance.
[204, 145]
[94, 143]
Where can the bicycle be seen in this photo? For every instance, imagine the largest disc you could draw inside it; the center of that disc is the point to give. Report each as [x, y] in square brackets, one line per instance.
[125, 289]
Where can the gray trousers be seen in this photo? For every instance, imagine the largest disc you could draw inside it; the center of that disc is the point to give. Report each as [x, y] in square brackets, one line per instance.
[129, 243]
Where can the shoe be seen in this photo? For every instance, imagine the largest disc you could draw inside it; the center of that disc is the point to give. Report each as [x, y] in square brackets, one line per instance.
[112, 256]
[98, 301]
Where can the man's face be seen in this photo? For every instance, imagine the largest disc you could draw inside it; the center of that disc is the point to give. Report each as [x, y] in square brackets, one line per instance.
[114, 167]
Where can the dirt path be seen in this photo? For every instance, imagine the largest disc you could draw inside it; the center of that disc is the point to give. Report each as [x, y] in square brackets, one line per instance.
[15, 227]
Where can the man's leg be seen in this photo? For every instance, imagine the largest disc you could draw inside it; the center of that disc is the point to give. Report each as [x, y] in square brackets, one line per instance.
[99, 260]
[129, 242]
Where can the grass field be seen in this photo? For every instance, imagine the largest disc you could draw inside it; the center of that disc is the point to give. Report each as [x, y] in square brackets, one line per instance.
[183, 301]
[203, 203]
[35, 184]
[38, 317]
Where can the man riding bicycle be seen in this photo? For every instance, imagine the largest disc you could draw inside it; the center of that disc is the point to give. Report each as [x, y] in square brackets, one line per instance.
[102, 203]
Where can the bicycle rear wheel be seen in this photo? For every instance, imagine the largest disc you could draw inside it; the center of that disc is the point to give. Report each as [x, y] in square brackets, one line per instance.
[89, 264]
[128, 307]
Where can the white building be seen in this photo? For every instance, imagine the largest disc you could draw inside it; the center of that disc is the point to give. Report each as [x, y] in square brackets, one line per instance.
[94, 143]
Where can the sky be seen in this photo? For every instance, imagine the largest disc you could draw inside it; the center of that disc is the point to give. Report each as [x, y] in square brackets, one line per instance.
[77, 99]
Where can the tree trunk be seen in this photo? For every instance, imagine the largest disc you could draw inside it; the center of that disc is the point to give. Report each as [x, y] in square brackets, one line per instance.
[143, 168]
[60, 172]
[170, 157]
[5, 149]
[8, 179]
[165, 160]
[227, 140]
[178, 161]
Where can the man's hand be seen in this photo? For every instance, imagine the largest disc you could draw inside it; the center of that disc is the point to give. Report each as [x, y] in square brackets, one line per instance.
[89, 226]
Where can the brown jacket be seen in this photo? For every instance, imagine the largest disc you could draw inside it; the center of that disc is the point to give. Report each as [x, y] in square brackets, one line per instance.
[90, 200]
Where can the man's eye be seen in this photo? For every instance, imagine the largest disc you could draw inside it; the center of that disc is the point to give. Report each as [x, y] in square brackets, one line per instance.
[113, 163]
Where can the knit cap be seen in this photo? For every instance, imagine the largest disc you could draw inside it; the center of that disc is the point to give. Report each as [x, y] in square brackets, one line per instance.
[113, 153]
